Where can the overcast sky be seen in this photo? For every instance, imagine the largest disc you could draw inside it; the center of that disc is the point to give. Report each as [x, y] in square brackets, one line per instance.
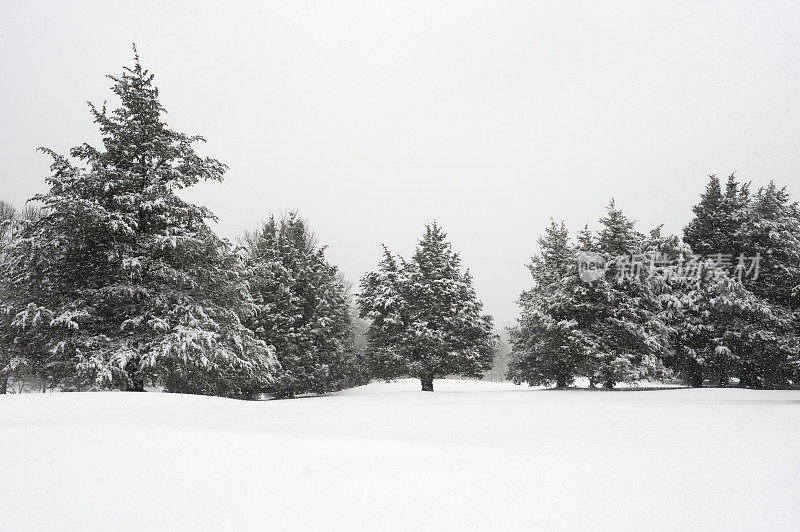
[371, 120]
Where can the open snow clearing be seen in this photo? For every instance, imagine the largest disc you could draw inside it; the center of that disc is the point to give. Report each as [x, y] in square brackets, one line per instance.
[472, 455]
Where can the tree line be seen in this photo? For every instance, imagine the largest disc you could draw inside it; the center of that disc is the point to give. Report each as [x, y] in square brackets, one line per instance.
[116, 282]
[721, 305]
[113, 281]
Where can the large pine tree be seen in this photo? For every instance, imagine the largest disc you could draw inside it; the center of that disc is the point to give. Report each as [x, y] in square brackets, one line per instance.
[121, 282]
[426, 319]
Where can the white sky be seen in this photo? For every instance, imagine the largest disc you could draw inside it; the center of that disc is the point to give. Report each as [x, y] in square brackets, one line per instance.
[372, 120]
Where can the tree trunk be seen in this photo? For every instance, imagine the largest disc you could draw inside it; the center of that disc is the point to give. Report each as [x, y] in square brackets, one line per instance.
[561, 381]
[696, 378]
[137, 381]
[3, 384]
[609, 385]
[427, 383]
[137, 384]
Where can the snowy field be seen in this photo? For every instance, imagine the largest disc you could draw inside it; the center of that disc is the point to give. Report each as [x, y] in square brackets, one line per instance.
[472, 455]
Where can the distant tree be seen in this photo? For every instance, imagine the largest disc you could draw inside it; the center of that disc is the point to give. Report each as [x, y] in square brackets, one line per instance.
[426, 319]
[500, 365]
[303, 310]
[8, 215]
[121, 282]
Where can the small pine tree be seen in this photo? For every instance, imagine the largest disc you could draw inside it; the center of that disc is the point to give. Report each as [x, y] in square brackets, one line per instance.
[121, 282]
[426, 317]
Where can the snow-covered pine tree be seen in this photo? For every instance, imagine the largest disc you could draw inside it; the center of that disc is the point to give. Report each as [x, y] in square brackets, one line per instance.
[684, 303]
[303, 310]
[706, 311]
[772, 232]
[121, 280]
[19, 361]
[753, 320]
[426, 319]
[548, 346]
[381, 305]
[621, 309]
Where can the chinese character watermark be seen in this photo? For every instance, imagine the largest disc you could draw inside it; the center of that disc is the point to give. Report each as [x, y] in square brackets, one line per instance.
[593, 266]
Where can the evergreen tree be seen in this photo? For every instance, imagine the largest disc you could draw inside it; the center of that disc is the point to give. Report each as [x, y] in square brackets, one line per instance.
[607, 326]
[303, 310]
[121, 282]
[382, 304]
[772, 232]
[16, 364]
[548, 345]
[704, 232]
[744, 320]
[426, 317]
[587, 243]
[715, 313]
[627, 321]
[618, 236]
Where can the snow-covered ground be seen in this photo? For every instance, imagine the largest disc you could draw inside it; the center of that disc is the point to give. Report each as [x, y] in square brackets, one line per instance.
[472, 455]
